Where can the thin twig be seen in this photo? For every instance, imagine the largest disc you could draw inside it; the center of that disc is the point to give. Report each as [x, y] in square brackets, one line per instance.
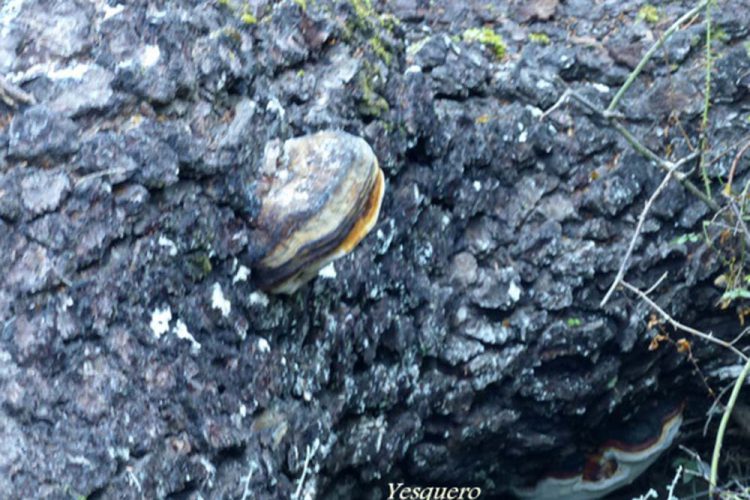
[697, 460]
[740, 220]
[665, 165]
[610, 113]
[706, 104]
[643, 150]
[309, 454]
[714, 409]
[680, 326]
[560, 101]
[670, 491]
[252, 468]
[651, 493]
[723, 427]
[650, 53]
[735, 162]
[640, 148]
[636, 233]
[657, 283]
[741, 334]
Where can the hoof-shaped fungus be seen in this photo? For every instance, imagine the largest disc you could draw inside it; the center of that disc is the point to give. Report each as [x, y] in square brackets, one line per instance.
[624, 456]
[321, 194]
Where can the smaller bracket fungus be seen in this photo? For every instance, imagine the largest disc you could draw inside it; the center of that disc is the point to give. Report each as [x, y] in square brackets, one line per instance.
[617, 462]
[321, 194]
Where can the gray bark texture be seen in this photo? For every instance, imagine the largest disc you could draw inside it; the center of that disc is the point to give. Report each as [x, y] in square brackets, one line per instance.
[461, 343]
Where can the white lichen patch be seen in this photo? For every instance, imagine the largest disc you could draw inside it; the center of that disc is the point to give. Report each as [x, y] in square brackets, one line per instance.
[111, 11]
[514, 291]
[79, 460]
[535, 112]
[180, 329]
[385, 238]
[263, 345]
[424, 253]
[328, 272]
[210, 472]
[258, 298]
[150, 56]
[160, 319]
[154, 13]
[275, 106]
[146, 58]
[121, 452]
[417, 195]
[74, 72]
[163, 241]
[462, 314]
[241, 275]
[218, 301]
[66, 304]
[382, 427]
[543, 84]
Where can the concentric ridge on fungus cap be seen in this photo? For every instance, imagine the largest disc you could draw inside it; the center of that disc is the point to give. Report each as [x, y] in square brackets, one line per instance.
[625, 454]
[321, 194]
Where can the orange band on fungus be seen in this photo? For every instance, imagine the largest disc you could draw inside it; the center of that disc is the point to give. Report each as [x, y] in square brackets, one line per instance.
[614, 464]
[321, 196]
[365, 223]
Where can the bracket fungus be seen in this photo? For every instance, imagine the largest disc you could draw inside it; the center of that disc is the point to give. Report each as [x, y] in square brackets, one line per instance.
[321, 194]
[623, 456]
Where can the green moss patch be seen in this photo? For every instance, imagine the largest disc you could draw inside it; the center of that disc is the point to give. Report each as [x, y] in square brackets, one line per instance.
[487, 37]
[649, 13]
[540, 38]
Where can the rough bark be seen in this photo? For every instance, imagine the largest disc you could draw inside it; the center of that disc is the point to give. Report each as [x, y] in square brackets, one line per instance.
[461, 343]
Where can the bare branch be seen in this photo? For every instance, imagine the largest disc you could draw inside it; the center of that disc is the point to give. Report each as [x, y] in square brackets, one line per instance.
[735, 162]
[672, 486]
[650, 53]
[716, 408]
[636, 144]
[563, 97]
[309, 454]
[680, 326]
[723, 427]
[637, 232]
[740, 220]
[657, 283]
